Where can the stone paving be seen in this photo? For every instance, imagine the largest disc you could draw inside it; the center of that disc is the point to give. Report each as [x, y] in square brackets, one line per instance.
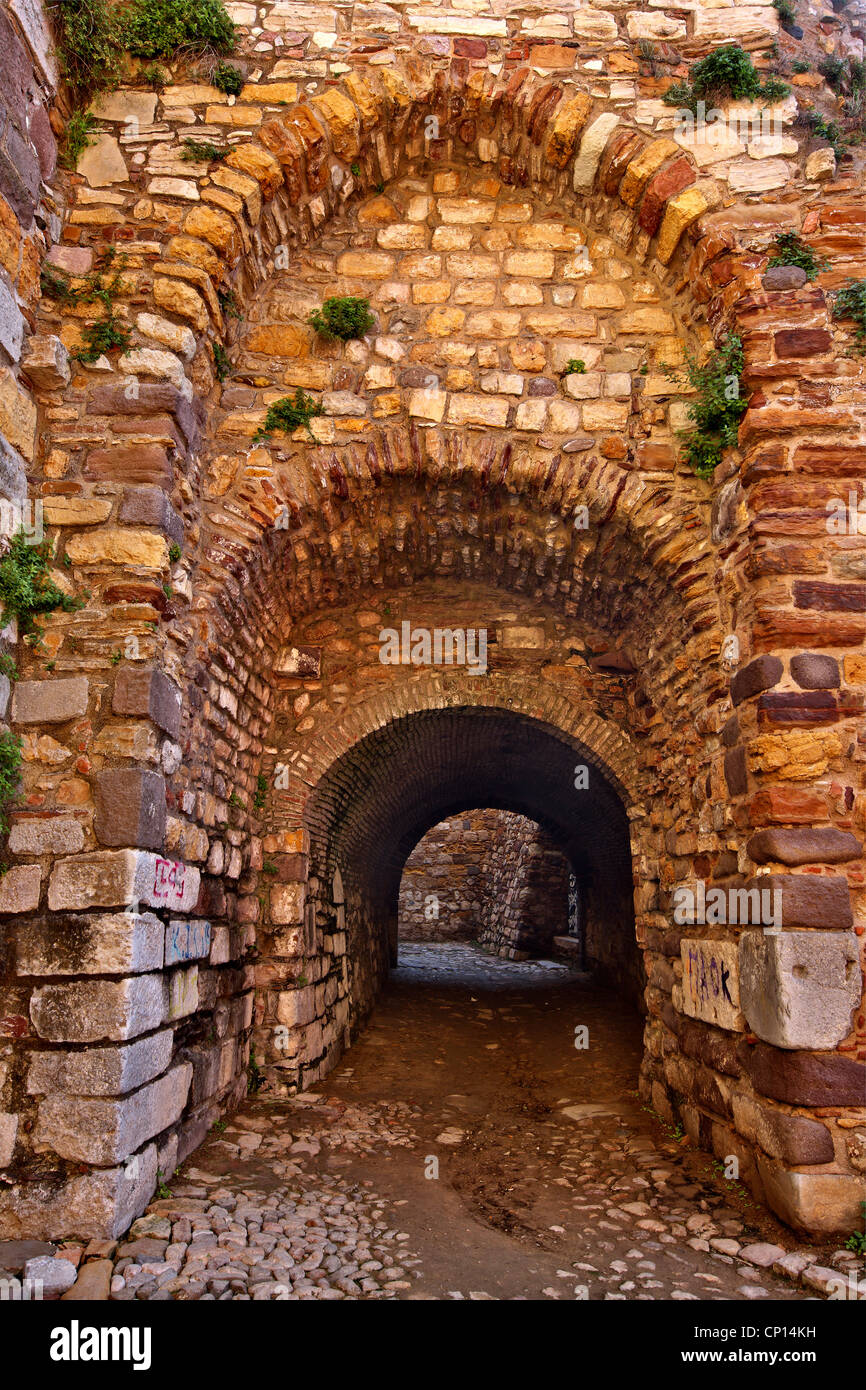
[324, 1196]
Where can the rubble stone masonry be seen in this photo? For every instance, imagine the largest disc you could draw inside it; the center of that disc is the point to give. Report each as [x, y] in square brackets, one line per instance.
[222, 782]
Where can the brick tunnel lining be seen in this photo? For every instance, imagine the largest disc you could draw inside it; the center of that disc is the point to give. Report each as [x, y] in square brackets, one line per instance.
[378, 800]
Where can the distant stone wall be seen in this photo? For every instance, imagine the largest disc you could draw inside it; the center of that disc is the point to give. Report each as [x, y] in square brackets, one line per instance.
[488, 876]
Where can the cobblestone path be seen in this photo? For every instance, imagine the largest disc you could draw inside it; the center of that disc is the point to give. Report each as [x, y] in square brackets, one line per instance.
[466, 1149]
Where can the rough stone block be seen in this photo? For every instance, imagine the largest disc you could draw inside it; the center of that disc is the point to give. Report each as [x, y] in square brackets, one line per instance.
[101, 1071]
[130, 807]
[49, 702]
[800, 989]
[148, 693]
[792, 1138]
[104, 1202]
[814, 671]
[118, 878]
[19, 888]
[182, 992]
[820, 1202]
[186, 941]
[710, 982]
[46, 363]
[809, 901]
[54, 1275]
[760, 674]
[57, 835]
[107, 1131]
[806, 1078]
[118, 943]
[150, 506]
[825, 845]
[287, 903]
[93, 1010]
[11, 324]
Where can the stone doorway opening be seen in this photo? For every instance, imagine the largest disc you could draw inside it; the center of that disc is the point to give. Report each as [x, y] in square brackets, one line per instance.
[493, 768]
[490, 877]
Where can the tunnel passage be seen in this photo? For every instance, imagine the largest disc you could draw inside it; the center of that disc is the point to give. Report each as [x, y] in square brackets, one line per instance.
[373, 806]
[491, 877]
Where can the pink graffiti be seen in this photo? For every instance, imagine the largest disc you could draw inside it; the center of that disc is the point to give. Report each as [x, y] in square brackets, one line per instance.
[168, 876]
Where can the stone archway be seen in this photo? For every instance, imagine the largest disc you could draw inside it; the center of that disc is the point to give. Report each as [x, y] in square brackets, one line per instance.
[139, 866]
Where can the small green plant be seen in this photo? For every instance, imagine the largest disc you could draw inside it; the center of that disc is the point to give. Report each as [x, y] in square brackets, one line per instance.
[10, 776]
[574, 364]
[269, 867]
[789, 249]
[166, 28]
[726, 73]
[343, 318]
[163, 1192]
[222, 365]
[26, 589]
[825, 130]
[219, 1126]
[116, 657]
[800, 66]
[227, 78]
[234, 800]
[787, 13]
[289, 414]
[850, 303]
[834, 71]
[261, 792]
[356, 169]
[379, 187]
[201, 152]
[76, 138]
[174, 552]
[108, 334]
[254, 1073]
[168, 590]
[8, 667]
[154, 77]
[857, 1241]
[302, 980]
[718, 408]
[229, 304]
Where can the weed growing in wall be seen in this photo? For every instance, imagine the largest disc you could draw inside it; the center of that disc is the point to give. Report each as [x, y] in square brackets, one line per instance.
[89, 45]
[76, 138]
[227, 78]
[201, 152]
[289, 414]
[26, 588]
[727, 73]
[343, 318]
[10, 776]
[718, 408]
[789, 249]
[850, 303]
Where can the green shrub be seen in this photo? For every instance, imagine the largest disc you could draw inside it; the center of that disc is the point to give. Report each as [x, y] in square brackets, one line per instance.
[8, 667]
[89, 45]
[289, 414]
[229, 304]
[789, 249]
[76, 138]
[800, 65]
[26, 588]
[259, 798]
[726, 73]
[574, 364]
[227, 78]
[718, 407]
[343, 318]
[850, 303]
[825, 130]
[164, 28]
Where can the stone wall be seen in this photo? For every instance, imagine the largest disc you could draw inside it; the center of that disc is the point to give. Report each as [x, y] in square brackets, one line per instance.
[509, 192]
[488, 876]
